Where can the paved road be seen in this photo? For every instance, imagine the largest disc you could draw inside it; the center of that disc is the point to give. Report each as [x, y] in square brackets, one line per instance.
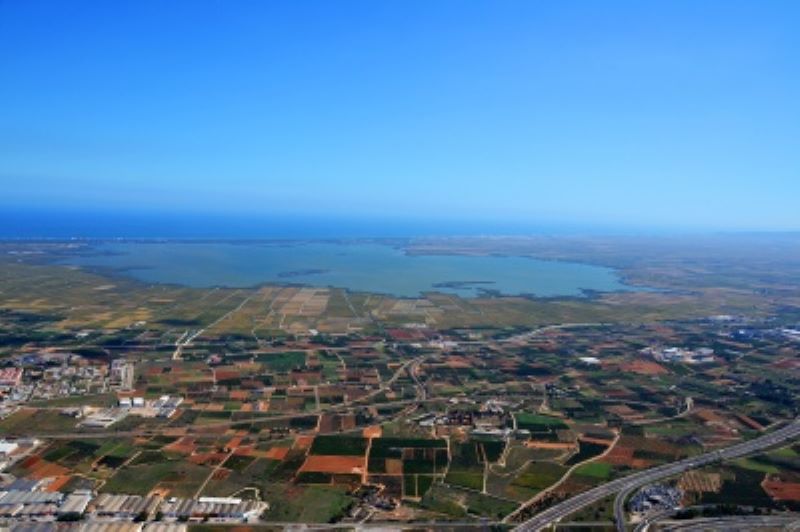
[743, 523]
[619, 505]
[726, 454]
[510, 517]
[524, 337]
[642, 478]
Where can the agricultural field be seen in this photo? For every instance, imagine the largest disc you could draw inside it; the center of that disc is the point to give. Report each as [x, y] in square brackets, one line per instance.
[338, 406]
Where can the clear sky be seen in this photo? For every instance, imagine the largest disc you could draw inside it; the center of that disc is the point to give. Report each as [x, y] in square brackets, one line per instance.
[680, 114]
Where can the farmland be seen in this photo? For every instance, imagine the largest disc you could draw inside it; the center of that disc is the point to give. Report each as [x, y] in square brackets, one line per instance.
[337, 406]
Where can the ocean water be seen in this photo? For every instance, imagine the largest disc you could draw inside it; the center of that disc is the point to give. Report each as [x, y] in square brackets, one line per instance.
[366, 267]
[54, 223]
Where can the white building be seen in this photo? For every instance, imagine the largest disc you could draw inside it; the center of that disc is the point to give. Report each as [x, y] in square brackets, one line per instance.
[7, 448]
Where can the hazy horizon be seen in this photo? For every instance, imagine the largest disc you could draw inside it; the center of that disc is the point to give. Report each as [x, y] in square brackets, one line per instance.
[61, 224]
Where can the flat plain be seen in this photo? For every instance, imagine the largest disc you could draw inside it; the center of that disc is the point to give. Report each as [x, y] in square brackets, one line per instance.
[333, 405]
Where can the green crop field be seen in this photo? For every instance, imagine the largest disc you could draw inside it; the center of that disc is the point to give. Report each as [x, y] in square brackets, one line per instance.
[599, 470]
[339, 445]
[282, 362]
[540, 475]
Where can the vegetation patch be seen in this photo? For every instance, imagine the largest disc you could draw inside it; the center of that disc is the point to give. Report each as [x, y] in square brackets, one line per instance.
[598, 470]
[586, 451]
[339, 445]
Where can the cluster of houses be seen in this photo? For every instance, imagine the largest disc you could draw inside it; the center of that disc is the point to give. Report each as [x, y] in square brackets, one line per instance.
[51, 374]
[121, 374]
[489, 419]
[49, 377]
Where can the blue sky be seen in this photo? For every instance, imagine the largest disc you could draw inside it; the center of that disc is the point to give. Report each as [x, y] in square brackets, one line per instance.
[679, 114]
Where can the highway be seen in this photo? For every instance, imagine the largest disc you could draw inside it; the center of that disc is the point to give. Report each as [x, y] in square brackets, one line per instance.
[632, 482]
[524, 337]
[743, 523]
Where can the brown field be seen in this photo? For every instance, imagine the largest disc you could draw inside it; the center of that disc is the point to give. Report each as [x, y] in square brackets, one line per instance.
[708, 416]
[458, 362]
[334, 464]
[244, 450]
[699, 482]
[30, 462]
[328, 423]
[394, 466]
[619, 455]
[750, 422]
[277, 453]
[44, 469]
[373, 431]
[644, 367]
[183, 446]
[782, 491]
[305, 302]
[239, 395]
[210, 459]
[58, 482]
[303, 442]
[226, 374]
[598, 441]
[557, 446]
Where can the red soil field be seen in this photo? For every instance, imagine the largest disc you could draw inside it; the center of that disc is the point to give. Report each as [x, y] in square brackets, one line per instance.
[373, 431]
[239, 395]
[245, 450]
[31, 462]
[183, 446]
[303, 442]
[207, 458]
[58, 483]
[644, 367]
[457, 362]
[277, 453]
[709, 416]
[782, 491]
[46, 469]
[598, 441]
[334, 464]
[619, 455]
[222, 375]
